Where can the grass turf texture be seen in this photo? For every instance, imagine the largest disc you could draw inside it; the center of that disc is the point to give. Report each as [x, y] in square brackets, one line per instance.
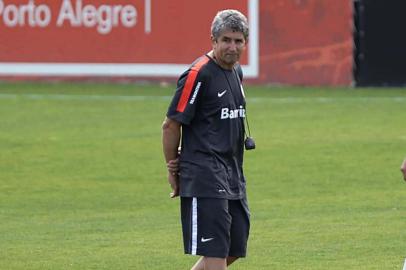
[83, 182]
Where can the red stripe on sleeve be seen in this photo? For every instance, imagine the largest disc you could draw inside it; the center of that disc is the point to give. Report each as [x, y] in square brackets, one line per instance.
[190, 81]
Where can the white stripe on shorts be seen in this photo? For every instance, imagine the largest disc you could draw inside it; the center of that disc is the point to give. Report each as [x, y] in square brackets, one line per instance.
[194, 226]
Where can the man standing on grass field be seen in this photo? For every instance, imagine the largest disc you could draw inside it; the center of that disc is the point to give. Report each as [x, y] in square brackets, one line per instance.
[207, 114]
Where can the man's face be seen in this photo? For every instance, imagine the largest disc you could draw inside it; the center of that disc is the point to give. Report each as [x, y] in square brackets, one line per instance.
[228, 47]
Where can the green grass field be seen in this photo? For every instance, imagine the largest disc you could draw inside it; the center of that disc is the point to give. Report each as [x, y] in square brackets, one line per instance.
[83, 181]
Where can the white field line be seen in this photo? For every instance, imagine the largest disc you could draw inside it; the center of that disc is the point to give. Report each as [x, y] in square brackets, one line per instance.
[327, 100]
[82, 97]
[168, 98]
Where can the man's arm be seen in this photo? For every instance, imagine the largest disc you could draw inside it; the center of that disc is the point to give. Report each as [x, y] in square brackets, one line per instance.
[403, 169]
[170, 143]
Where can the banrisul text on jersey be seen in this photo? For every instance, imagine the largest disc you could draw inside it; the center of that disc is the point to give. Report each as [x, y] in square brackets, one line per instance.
[227, 113]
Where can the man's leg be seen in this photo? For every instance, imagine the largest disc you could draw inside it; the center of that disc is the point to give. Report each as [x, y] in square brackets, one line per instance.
[230, 260]
[200, 264]
[403, 169]
[211, 263]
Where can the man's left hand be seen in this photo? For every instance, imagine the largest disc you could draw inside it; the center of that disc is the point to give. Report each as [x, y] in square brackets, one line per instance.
[173, 166]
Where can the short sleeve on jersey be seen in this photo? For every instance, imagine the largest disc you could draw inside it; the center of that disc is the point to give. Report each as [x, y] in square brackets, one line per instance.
[184, 102]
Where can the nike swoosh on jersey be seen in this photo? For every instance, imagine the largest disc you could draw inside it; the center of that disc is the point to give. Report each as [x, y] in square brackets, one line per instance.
[220, 94]
[206, 239]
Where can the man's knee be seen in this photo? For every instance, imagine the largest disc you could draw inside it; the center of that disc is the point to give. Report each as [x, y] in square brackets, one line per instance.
[211, 263]
[231, 259]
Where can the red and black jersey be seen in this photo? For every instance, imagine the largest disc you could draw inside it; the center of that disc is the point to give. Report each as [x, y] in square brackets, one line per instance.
[209, 103]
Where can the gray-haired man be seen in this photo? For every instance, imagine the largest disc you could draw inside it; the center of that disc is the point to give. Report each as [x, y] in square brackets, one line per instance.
[207, 114]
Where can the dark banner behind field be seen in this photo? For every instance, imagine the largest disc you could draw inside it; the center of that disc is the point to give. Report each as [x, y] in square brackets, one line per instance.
[380, 56]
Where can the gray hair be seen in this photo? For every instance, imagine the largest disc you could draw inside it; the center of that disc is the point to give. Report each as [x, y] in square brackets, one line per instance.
[229, 19]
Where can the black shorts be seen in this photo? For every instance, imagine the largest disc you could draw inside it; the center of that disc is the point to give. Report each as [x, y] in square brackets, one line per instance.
[215, 227]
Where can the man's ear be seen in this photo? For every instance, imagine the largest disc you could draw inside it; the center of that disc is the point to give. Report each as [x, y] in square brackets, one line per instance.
[213, 40]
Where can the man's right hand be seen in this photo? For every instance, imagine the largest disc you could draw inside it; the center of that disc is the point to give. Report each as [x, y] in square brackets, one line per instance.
[171, 133]
[173, 180]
